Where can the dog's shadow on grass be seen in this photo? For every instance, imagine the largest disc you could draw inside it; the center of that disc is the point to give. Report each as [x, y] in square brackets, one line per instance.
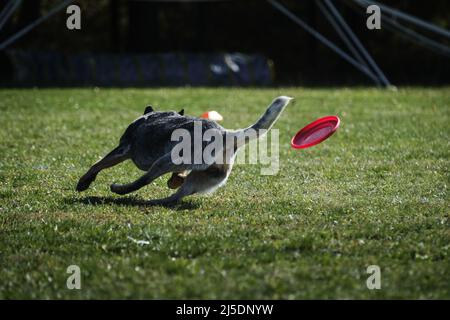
[131, 201]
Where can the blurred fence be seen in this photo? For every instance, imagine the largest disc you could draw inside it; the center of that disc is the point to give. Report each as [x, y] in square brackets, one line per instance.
[168, 69]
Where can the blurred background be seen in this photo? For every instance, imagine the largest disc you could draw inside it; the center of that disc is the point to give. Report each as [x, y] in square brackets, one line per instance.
[219, 43]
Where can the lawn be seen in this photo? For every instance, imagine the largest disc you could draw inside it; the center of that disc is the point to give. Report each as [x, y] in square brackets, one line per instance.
[375, 193]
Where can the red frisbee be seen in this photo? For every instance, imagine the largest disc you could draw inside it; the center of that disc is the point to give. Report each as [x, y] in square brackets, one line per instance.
[315, 132]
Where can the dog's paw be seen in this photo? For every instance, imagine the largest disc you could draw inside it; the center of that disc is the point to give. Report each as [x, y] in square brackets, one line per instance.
[117, 188]
[83, 184]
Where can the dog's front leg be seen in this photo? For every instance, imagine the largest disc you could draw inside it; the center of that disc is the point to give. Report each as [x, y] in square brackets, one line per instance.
[116, 156]
[161, 166]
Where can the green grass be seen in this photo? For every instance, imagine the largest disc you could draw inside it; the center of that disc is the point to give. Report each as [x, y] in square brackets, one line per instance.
[374, 193]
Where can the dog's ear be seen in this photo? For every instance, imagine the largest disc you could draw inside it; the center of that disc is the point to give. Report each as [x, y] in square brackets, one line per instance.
[148, 109]
[181, 112]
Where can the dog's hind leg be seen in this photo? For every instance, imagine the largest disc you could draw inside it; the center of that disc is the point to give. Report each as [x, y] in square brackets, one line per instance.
[185, 190]
[204, 181]
[116, 156]
[161, 166]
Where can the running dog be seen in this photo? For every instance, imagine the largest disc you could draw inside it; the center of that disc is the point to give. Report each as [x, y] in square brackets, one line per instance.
[148, 143]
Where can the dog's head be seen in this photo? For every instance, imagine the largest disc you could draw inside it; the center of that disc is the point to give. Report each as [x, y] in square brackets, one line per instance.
[149, 109]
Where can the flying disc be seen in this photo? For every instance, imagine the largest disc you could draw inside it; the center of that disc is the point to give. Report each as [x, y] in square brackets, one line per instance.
[315, 132]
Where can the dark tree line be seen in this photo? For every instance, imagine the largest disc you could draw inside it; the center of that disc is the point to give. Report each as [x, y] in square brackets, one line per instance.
[249, 26]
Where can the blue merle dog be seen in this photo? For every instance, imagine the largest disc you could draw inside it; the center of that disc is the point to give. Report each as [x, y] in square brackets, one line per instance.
[147, 142]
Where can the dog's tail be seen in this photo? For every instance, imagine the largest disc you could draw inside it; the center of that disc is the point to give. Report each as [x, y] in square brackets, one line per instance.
[263, 124]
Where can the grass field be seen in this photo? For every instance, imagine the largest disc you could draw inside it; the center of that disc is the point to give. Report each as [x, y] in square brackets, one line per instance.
[376, 193]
